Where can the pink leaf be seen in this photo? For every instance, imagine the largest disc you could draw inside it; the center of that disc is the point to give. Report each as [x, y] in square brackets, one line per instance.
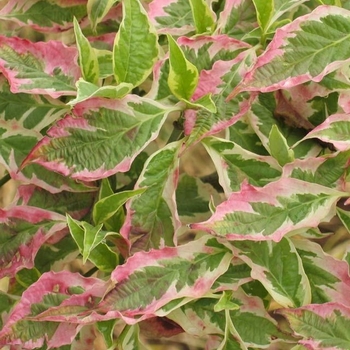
[271, 212]
[237, 18]
[52, 286]
[334, 286]
[219, 81]
[323, 326]
[145, 283]
[54, 64]
[102, 137]
[296, 54]
[335, 130]
[24, 230]
[171, 16]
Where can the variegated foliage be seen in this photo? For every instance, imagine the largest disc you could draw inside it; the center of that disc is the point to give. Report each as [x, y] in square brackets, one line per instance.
[191, 155]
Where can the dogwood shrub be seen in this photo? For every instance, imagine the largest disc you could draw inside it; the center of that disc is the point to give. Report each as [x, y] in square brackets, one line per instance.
[191, 156]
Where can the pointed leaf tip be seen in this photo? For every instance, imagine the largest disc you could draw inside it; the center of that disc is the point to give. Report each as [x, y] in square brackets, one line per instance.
[183, 75]
[135, 49]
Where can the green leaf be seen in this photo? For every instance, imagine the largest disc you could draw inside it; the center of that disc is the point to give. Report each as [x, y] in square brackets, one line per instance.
[92, 236]
[6, 303]
[106, 207]
[105, 189]
[244, 135]
[325, 326]
[105, 62]
[56, 254]
[53, 16]
[151, 217]
[190, 198]
[200, 314]
[237, 273]
[104, 258]
[115, 222]
[203, 16]
[129, 338]
[97, 10]
[232, 339]
[240, 165]
[264, 11]
[280, 7]
[225, 302]
[344, 216]
[90, 240]
[135, 47]
[87, 58]
[279, 148]
[88, 90]
[205, 102]
[262, 119]
[183, 75]
[27, 277]
[279, 268]
[106, 328]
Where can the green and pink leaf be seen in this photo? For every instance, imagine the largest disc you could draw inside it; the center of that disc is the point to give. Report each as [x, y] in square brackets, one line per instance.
[172, 17]
[24, 230]
[48, 68]
[44, 16]
[218, 82]
[234, 164]
[328, 276]
[152, 220]
[51, 290]
[321, 326]
[88, 147]
[145, 283]
[302, 51]
[271, 212]
[199, 319]
[334, 130]
[176, 272]
[279, 268]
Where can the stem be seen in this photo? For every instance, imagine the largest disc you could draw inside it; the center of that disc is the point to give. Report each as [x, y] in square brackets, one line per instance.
[5, 179]
[177, 132]
[90, 272]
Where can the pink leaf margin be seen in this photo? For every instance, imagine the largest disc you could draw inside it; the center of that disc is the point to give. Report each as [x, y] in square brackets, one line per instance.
[285, 187]
[275, 49]
[327, 310]
[27, 252]
[51, 282]
[78, 120]
[341, 141]
[13, 5]
[51, 54]
[140, 260]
